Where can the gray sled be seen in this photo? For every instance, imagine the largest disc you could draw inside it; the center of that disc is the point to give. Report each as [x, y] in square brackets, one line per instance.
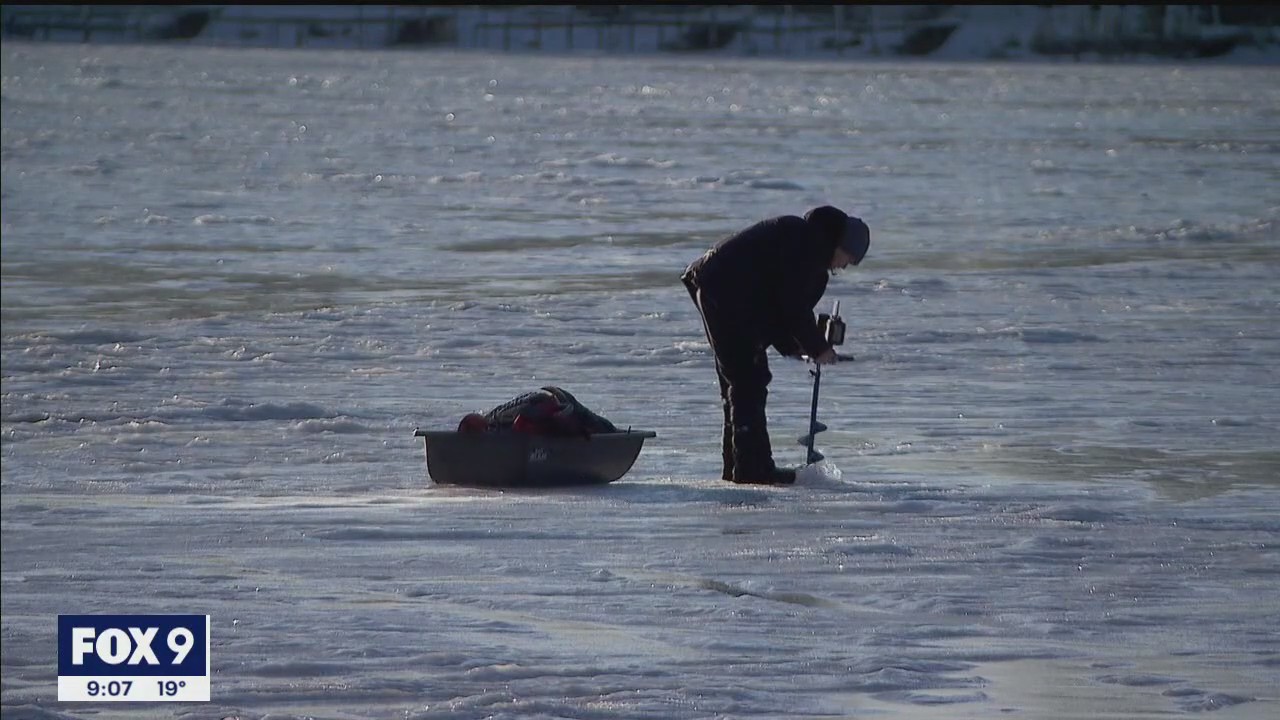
[521, 460]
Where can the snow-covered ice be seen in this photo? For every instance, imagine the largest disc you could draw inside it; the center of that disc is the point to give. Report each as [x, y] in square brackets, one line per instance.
[235, 281]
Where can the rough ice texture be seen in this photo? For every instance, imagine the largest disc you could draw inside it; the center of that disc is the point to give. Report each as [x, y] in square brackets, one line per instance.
[1051, 478]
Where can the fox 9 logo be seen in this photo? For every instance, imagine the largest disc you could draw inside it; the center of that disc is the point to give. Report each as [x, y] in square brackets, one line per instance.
[105, 645]
[133, 657]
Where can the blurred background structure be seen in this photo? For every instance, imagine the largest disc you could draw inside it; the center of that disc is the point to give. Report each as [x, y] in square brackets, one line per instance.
[979, 32]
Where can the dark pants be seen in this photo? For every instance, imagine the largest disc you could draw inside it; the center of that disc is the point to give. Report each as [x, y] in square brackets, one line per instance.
[743, 369]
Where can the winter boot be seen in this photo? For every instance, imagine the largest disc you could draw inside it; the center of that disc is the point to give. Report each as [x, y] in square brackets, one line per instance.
[770, 476]
[753, 455]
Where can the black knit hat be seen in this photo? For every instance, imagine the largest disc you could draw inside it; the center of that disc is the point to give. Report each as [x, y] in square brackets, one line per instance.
[856, 239]
[848, 233]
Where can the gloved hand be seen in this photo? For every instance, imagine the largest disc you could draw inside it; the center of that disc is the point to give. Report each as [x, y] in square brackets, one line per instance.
[828, 357]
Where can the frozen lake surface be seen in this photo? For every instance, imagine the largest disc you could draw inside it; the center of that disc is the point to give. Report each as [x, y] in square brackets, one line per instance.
[235, 282]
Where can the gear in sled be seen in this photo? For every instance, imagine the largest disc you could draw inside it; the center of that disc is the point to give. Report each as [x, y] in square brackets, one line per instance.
[550, 411]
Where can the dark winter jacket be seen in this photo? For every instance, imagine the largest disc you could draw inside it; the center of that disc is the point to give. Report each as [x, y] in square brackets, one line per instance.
[770, 276]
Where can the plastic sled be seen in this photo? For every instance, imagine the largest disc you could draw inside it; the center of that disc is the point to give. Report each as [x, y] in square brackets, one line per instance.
[508, 459]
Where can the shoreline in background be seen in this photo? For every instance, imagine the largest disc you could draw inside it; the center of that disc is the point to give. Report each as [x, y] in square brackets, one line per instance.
[1039, 33]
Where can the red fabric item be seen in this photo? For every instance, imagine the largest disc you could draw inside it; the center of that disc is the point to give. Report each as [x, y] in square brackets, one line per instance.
[525, 425]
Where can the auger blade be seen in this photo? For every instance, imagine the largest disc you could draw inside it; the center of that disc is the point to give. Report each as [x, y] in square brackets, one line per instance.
[808, 439]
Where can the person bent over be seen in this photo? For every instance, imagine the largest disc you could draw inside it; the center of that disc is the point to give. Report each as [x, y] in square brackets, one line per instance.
[757, 289]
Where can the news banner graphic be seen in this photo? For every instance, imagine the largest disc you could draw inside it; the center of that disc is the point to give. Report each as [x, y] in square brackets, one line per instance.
[133, 658]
